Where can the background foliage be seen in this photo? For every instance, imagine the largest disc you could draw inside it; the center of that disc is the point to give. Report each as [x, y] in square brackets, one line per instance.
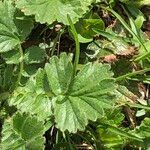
[74, 74]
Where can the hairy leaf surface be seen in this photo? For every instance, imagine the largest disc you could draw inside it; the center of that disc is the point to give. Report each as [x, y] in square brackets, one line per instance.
[54, 9]
[145, 128]
[12, 57]
[8, 37]
[32, 97]
[12, 31]
[34, 54]
[82, 98]
[22, 132]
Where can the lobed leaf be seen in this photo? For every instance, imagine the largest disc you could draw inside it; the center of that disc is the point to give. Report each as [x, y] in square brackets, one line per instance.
[12, 57]
[85, 28]
[34, 54]
[144, 129]
[80, 99]
[32, 98]
[74, 100]
[22, 131]
[8, 30]
[54, 9]
[12, 31]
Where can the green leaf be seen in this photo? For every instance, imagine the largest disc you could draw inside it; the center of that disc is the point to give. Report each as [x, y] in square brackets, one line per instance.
[12, 57]
[110, 139]
[82, 98]
[8, 31]
[137, 3]
[111, 132]
[144, 2]
[137, 14]
[115, 117]
[30, 70]
[54, 9]
[59, 74]
[123, 22]
[12, 32]
[114, 137]
[34, 54]
[22, 131]
[122, 132]
[144, 131]
[23, 23]
[85, 29]
[32, 98]
[145, 128]
[147, 45]
[7, 77]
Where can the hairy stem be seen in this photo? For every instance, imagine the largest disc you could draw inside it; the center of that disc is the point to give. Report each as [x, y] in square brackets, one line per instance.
[144, 56]
[21, 66]
[77, 49]
[132, 74]
[56, 40]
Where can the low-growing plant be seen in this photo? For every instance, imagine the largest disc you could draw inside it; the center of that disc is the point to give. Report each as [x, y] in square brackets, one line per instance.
[70, 72]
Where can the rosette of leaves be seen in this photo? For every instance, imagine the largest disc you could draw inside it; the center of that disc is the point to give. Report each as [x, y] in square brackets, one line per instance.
[72, 100]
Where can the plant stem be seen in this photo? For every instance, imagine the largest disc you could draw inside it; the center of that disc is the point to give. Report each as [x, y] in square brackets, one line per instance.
[132, 74]
[69, 141]
[146, 55]
[77, 49]
[21, 66]
[55, 43]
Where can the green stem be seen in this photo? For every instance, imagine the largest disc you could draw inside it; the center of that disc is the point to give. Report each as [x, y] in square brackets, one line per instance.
[138, 105]
[77, 50]
[70, 146]
[132, 74]
[55, 43]
[146, 55]
[21, 66]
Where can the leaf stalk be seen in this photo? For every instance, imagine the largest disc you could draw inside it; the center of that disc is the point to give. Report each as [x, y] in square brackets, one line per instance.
[132, 74]
[21, 66]
[77, 49]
